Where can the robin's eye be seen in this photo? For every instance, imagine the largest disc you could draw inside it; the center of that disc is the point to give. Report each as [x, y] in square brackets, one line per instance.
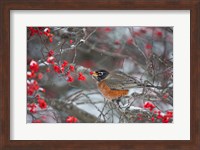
[100, 73]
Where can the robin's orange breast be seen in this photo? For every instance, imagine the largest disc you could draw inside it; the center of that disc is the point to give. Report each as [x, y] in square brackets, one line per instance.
[111, 94]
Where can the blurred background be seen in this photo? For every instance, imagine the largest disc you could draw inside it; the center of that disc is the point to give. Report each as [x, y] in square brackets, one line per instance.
[60, 88]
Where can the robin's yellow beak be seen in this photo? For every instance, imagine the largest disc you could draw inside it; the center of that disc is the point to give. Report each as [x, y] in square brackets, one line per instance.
[94, 74]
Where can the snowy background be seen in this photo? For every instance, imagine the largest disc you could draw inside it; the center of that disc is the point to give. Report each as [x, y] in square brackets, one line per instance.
[57, 94]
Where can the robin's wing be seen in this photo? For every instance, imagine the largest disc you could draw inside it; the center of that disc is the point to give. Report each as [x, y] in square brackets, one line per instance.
[121, 81]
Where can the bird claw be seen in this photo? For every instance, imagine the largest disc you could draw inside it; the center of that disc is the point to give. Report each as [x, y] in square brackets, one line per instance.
[117, 103]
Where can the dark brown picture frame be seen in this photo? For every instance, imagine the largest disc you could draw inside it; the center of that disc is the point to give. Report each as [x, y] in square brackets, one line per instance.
[7, 5]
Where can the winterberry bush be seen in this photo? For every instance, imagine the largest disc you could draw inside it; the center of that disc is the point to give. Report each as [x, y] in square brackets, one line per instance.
[60, 88]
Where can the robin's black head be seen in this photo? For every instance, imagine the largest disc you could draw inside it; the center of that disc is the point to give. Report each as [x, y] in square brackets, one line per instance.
[100, 74]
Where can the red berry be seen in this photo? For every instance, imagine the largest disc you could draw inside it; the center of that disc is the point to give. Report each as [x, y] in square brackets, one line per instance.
[40, 76]
[152, 119]
[32, 107]
[50, 39]
[91, 72]
[165, 119]
[67, 73]
[148, 46]
[129, 41]
[37, 121]
[71, 67]
[57, 69]
[71, 119]
[50, 59]
[166, 95]
[29, 74]
[71, 41]
[108, 29]
[159, 34]
[81, 77]
[50, 53]
[42, 103]
[117, 42]
[34, 66]
[70, 79]
[65, 63]
[149, 105]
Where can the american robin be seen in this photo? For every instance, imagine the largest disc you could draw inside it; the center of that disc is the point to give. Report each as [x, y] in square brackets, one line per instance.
[116, 84]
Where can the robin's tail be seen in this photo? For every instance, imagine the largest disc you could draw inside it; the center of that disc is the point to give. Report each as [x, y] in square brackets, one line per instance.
[150, 85]
[158, 87]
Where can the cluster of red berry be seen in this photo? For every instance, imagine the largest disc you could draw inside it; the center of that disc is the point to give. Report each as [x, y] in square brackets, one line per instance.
[33, 74]
[41, 31]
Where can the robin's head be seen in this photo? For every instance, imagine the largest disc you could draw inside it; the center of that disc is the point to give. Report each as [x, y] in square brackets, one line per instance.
[100, 74]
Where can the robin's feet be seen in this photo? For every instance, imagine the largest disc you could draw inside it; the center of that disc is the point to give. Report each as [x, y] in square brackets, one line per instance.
[117, 103]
